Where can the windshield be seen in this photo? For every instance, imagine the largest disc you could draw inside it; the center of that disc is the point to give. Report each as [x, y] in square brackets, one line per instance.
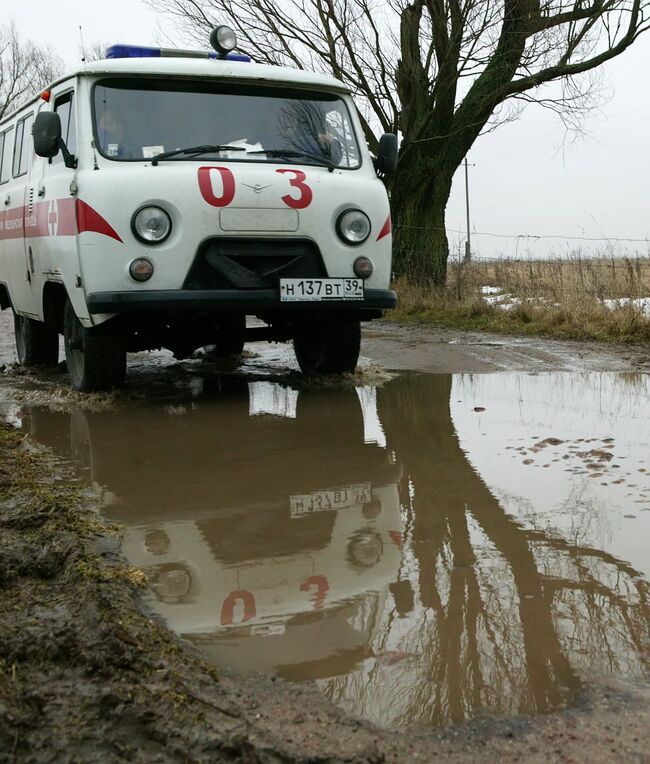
[136, 119]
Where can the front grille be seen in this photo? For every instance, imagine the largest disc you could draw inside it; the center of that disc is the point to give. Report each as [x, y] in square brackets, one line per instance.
[253, 263]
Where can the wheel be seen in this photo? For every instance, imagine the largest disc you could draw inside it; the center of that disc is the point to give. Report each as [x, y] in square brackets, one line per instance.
[37, 344]
[328, 348]
[96, 357]
[230, 337]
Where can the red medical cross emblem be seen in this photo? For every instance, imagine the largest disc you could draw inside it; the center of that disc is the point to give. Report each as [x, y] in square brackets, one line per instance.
[53, 219]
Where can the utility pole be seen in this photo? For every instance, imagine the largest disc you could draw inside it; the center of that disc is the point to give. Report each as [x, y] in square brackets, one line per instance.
[468, 248]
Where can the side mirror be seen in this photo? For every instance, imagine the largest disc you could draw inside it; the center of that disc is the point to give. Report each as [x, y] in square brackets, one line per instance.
[47, 134]
[386, 161]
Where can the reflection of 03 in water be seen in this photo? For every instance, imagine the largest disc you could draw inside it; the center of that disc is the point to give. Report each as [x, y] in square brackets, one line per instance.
[387, 542]
[295, 564]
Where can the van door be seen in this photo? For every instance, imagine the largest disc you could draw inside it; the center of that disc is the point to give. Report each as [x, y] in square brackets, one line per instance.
[14, 195]
[51, 241]
[6, 153]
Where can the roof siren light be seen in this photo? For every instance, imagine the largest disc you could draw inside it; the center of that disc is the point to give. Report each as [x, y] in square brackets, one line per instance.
[223, 39]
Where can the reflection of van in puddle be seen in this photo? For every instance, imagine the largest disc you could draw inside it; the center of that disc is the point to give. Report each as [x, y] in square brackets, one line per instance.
[284, 529]
[166, 195]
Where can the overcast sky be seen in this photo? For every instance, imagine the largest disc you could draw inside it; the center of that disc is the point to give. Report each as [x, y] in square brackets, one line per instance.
[522, 183]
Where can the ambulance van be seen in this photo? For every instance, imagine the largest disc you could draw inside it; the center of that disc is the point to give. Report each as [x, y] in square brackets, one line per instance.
[159, 197]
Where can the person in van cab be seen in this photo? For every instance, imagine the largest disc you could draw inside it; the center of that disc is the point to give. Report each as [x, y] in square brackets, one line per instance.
[112, 132]
[304, 128]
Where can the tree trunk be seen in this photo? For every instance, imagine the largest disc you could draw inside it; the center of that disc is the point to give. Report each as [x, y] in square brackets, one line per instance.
[419, 196]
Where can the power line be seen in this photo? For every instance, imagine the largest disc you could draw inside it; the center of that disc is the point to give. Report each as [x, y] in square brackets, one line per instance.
[528, 235]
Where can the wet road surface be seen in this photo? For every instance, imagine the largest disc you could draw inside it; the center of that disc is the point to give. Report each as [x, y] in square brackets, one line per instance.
[427, 549]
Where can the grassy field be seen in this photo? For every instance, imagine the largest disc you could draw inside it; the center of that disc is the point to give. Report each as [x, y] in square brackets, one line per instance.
[578, 298]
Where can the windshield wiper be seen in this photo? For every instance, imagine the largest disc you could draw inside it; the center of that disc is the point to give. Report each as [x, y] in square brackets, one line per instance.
[293, 154]
[193, 151]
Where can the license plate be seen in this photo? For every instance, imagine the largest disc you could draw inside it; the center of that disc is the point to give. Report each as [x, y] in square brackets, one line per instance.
[336, 498]
[316, 290]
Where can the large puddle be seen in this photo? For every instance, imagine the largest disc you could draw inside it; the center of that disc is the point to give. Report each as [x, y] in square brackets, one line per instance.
[427, 551]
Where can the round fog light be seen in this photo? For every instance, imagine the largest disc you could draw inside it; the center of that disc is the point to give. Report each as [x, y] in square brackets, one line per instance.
[363, 267]
[141, 269]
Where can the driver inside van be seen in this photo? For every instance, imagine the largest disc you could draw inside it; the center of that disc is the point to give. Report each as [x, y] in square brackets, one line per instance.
[111, 131]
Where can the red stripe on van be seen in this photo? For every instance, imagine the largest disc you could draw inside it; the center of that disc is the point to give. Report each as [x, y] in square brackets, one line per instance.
[89, 219]
[387, 228]
[11, 223]
[58, 217]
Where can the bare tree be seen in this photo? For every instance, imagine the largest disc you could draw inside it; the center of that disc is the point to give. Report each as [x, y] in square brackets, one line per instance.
[25, 69]
[436, 71]
[94, 51]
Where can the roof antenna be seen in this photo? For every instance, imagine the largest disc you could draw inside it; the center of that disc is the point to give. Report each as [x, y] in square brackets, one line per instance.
[83, 47]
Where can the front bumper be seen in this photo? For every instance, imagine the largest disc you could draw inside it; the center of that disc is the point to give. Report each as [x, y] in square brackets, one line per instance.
[250, 301]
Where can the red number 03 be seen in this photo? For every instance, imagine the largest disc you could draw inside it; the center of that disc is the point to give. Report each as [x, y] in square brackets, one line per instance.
[306, 194]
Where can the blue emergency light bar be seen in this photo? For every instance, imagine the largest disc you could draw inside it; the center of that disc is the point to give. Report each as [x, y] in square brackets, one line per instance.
[136, 51]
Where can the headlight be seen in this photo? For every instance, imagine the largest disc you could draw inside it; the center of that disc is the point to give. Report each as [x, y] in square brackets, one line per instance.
[172, 584]
[353, 226]
[151, 225]
[365, 549]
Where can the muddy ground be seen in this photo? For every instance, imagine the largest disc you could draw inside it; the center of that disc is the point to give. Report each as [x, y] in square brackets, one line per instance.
[86, 675]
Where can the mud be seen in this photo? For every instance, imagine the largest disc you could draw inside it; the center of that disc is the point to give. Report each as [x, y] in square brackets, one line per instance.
[468, 554]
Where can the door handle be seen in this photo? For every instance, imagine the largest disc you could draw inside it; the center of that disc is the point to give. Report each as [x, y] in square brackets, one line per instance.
[7, 200]
[41, 191]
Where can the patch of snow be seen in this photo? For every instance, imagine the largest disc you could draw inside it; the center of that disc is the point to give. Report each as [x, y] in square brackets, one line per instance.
[640, 303]
[503, 301]
[490, 290]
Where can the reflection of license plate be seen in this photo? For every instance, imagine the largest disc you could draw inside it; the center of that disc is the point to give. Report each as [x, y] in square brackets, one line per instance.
[336, 498]
[308, 290]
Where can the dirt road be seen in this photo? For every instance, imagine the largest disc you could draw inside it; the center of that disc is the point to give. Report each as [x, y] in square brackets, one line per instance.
[425, 348]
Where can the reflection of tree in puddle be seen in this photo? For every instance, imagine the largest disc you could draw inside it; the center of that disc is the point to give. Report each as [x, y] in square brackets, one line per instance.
[490, 615]
[477, 612]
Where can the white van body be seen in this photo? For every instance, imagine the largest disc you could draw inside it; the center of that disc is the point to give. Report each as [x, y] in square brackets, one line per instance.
[68, 232]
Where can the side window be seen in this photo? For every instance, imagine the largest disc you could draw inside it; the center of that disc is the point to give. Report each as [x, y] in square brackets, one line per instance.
[5, 158]
[64, 106]
[28, 145]
[23, 145]
[18, 147]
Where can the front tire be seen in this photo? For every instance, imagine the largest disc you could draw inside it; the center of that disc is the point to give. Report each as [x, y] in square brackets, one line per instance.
[328, 348]
[96, 357]
[37, 344]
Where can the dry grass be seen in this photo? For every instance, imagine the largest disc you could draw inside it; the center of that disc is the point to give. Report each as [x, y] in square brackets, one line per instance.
[555, 298]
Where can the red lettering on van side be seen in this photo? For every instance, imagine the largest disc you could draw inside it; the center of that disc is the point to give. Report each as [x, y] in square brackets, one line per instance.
[207, 192]
[321, 584]
[229, 604]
